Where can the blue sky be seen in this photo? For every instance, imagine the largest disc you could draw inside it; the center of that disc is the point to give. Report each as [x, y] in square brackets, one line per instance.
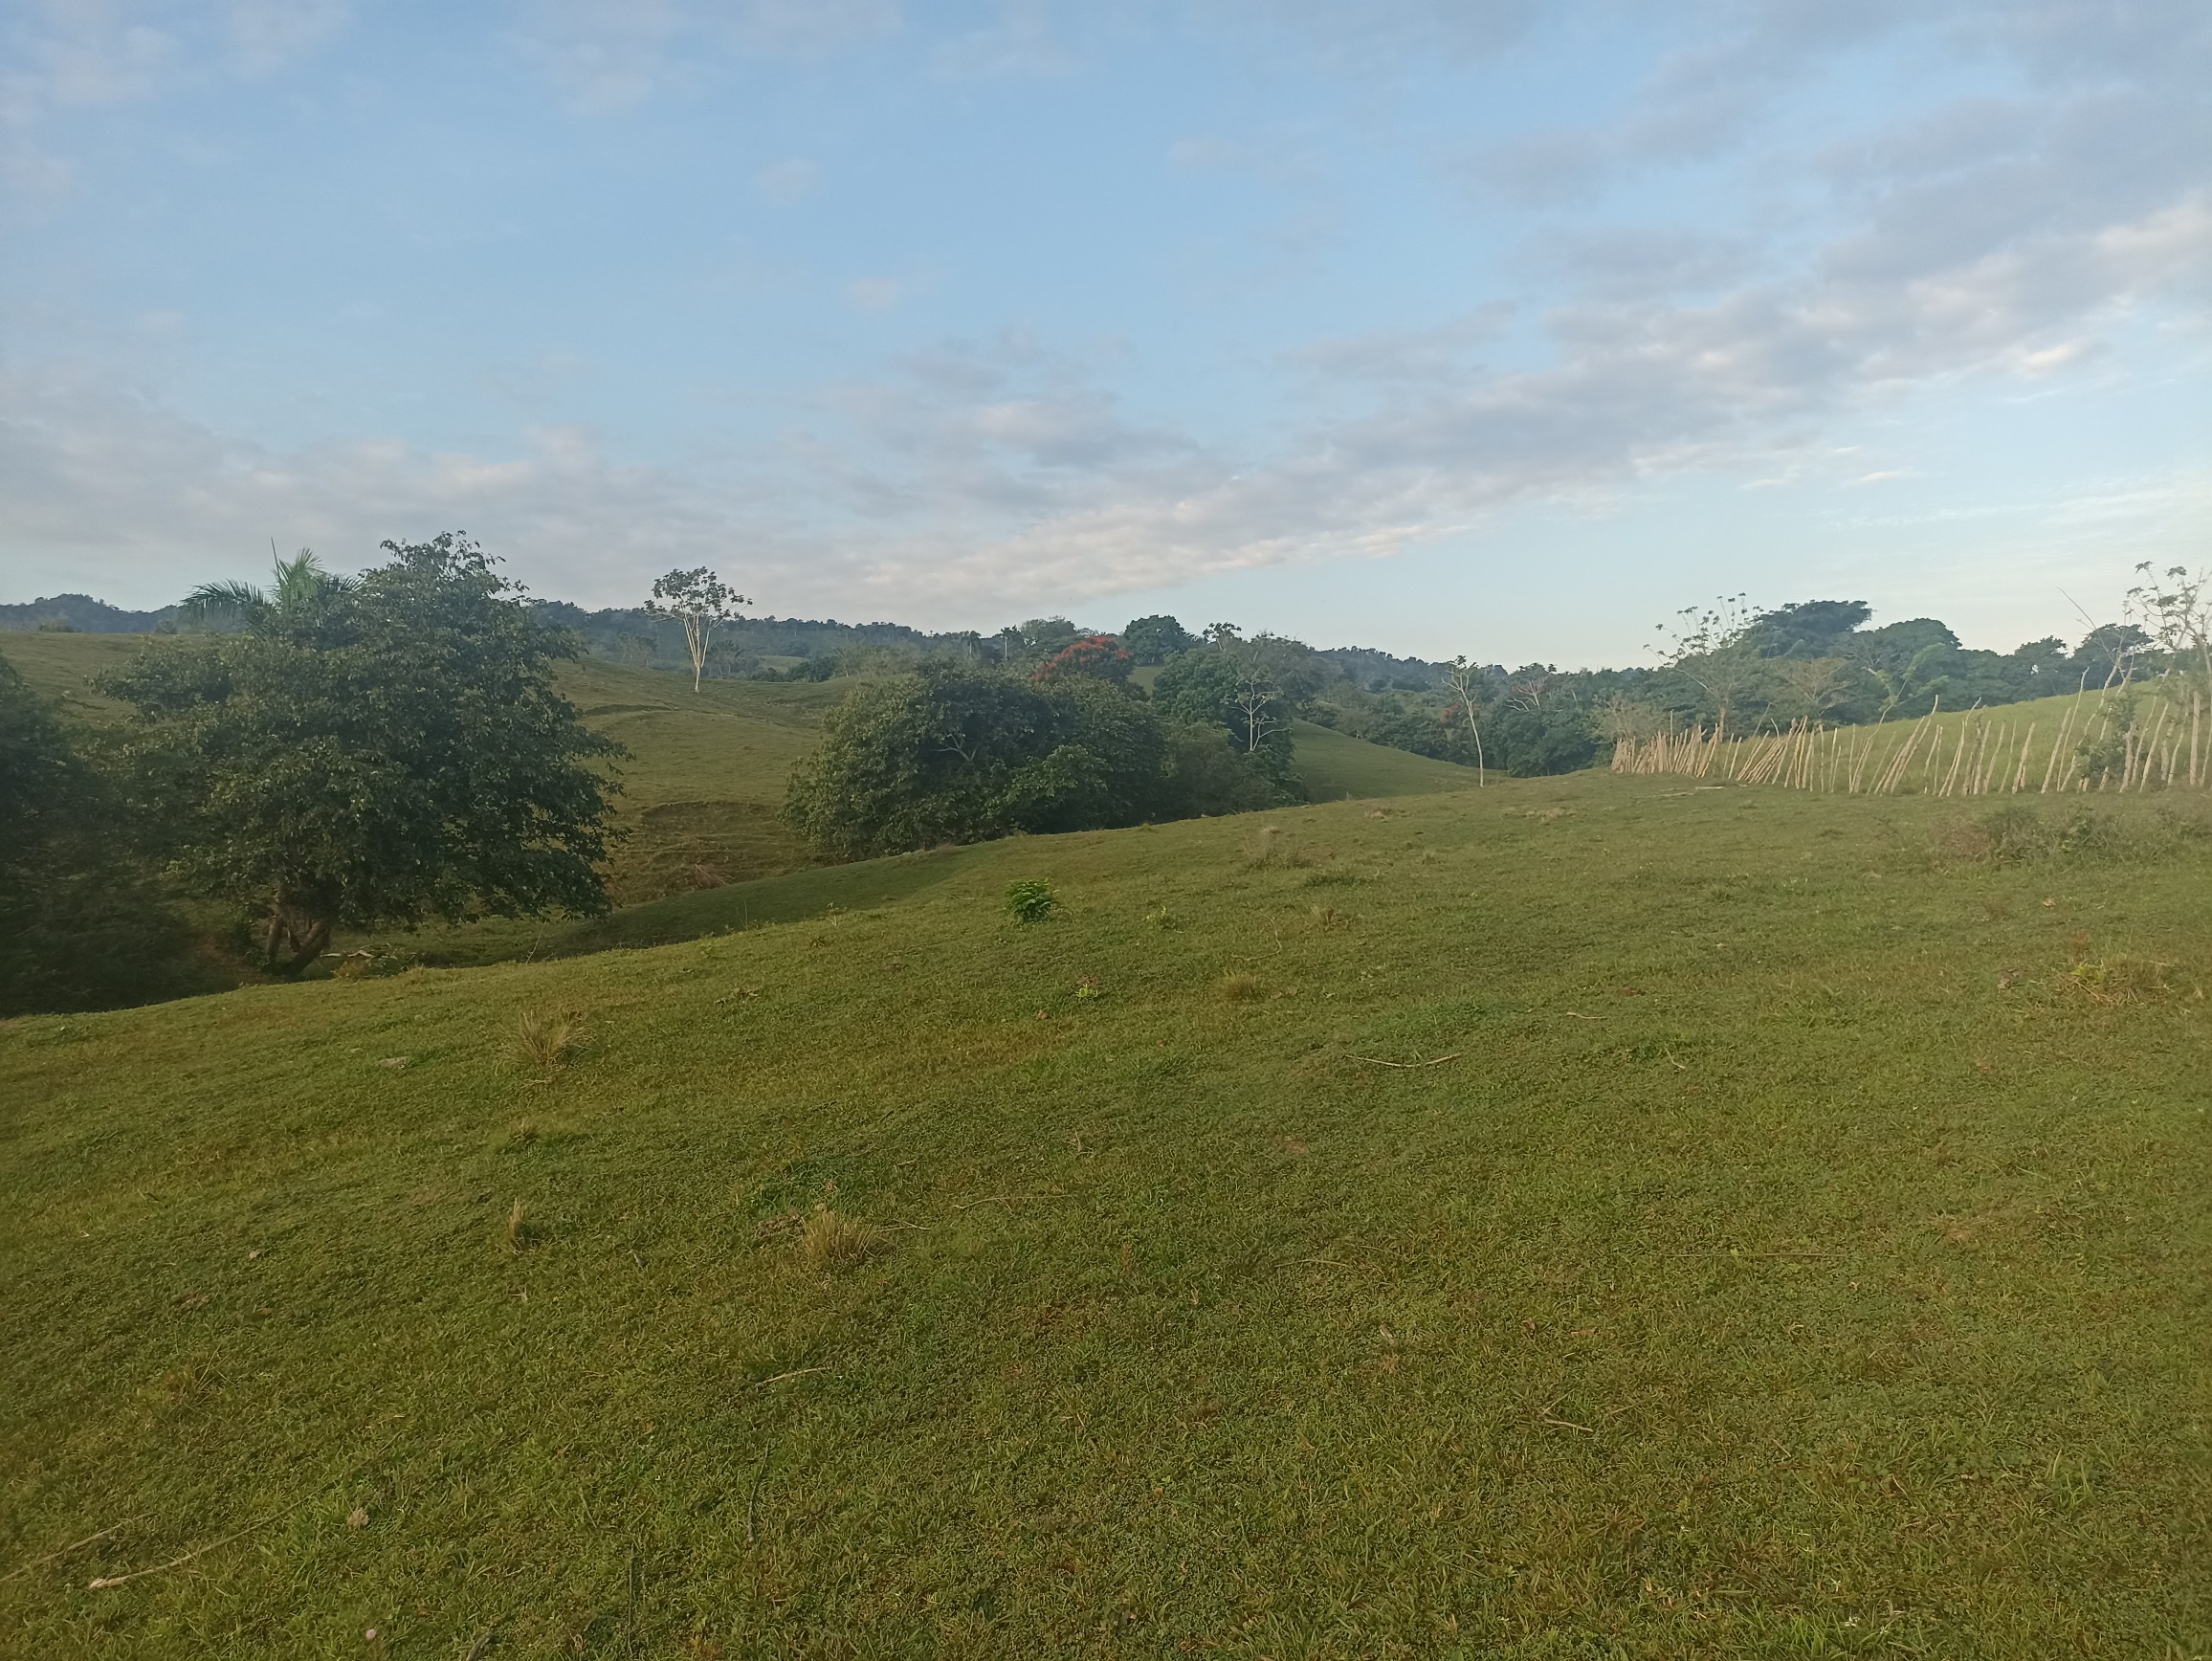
[1488, 326]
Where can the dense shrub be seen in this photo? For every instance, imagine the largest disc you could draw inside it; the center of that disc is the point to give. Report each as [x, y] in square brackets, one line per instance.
[957, 754]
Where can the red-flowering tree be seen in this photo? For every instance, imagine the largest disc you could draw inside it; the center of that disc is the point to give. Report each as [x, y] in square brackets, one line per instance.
[1099, 656]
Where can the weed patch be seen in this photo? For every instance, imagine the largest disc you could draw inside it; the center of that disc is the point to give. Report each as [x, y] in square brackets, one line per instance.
[829, 1239]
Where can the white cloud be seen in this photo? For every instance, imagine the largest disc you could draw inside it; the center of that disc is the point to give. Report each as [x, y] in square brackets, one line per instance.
[60, 56]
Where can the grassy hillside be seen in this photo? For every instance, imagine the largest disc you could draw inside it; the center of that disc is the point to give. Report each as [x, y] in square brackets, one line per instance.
[1336, 765]
[1589, 1217]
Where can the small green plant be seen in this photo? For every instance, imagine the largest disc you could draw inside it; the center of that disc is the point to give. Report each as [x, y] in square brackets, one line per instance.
[1032, 900]
[1089, 988]
[1163, 919]
[832, 1240]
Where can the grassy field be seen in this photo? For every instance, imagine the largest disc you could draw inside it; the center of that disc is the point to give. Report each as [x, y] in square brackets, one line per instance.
[1585, 1218]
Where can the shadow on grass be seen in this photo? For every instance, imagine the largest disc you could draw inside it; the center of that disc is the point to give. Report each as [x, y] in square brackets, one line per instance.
[791, 898]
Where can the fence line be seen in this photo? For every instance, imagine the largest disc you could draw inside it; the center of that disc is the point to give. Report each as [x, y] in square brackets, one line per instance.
[1974, 758]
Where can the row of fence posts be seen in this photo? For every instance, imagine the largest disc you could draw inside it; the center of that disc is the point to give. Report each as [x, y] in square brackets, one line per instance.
[1974, 757]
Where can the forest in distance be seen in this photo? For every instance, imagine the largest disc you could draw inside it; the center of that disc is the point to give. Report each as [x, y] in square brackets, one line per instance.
[1819, 660]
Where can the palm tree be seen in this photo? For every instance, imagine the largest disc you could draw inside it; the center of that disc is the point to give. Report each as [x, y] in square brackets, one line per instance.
[298, 583]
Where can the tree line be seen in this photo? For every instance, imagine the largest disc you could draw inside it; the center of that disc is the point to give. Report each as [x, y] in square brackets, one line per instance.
[329, 751]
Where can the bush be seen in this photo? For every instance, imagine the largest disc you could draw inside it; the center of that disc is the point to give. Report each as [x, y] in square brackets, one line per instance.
[956, 754]
[1031, 901]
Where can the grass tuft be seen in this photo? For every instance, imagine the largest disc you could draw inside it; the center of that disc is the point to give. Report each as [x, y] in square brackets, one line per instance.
[544, 1040]
[519, 1233]
[832, 1240]
[1272, 847]
[1240, 989]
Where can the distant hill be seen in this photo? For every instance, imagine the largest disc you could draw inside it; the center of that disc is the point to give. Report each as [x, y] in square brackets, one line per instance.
[83, 615]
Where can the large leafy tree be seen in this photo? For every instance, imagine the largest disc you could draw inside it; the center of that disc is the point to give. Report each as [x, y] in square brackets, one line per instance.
[375, 751]
[1248, 687]
[1157, 638]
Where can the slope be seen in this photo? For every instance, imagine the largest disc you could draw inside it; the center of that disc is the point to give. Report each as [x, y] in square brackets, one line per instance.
[1596, 1216]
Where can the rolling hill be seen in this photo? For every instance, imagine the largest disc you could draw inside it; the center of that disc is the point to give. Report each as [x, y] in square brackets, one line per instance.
[1595, 1216]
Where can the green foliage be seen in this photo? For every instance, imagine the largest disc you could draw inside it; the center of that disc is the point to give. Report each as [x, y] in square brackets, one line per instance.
[1031, 899]
[80, 927]
[1153, 640]
[383, 751]
[1242, 688]
[297, 586]
[1099, 656]
[698, 600]
[953, 754]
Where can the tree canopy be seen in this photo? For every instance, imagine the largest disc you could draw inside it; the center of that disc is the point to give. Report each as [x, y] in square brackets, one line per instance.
[378, 751]
[958, 754]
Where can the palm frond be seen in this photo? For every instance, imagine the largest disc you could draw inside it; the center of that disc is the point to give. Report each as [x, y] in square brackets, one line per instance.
[301, 579]
[212, 603]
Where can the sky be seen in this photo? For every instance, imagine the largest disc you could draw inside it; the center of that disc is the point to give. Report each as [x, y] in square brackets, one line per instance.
[1484, 326]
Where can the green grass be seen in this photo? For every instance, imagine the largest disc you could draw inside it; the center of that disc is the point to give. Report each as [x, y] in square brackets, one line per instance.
[1804, 1252]
[1335, 764]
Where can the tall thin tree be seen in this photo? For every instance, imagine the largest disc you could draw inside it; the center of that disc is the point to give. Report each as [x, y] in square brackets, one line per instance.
[698, 599]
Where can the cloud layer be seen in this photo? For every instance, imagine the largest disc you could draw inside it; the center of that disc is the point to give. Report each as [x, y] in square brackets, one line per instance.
[2047, 190]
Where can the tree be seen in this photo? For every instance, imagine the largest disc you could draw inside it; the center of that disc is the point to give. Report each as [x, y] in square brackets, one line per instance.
[374, 752]
[1709, 647]
[2178, 621]
[1236, 688]
[1808, 629]
[1814, 686]
[953, 754]
[2107, 653]
[1464, 681]
[298, 584]
[1155, 639]
[1100, 657]
[698, 600]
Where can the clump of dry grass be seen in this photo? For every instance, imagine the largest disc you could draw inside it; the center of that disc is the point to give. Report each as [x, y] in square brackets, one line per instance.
[1272, 847]
[832, 1240]
[519, 1233]
[1240, 989]
[545, 1039]
[1329, 917]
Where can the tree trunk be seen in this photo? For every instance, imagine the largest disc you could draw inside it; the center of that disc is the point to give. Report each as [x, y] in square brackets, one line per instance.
[295, 928]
